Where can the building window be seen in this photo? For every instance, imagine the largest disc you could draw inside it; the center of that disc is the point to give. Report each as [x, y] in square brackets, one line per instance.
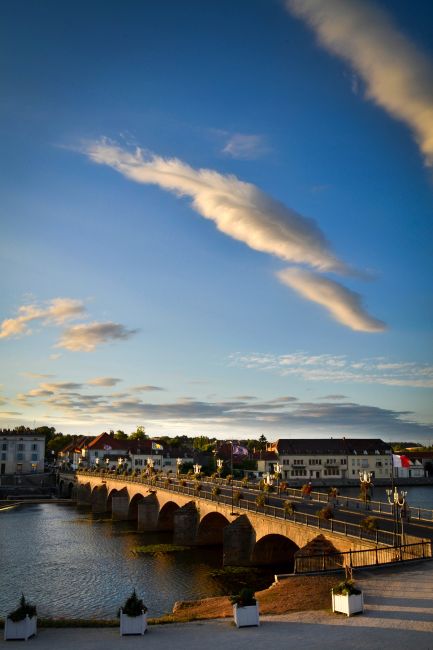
[35, 446]
[332, 471]
[4, 446]
[20, 456]
[20, 446]
[298, 462]
[96, 454]
[3, 455]
[299, 472]
[34, 457]
[315, 461]
[343, 461]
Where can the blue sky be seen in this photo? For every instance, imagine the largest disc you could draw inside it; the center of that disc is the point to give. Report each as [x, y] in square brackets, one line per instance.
[216, 217]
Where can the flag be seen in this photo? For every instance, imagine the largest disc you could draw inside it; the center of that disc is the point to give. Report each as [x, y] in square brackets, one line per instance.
[399, 460]
[107, 448]
[156, 445]
[239, 451]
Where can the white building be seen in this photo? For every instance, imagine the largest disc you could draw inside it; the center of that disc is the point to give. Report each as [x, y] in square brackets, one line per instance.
[21, 453]
[332, 458]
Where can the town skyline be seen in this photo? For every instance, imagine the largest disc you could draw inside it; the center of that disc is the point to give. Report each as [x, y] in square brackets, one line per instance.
[217, 219]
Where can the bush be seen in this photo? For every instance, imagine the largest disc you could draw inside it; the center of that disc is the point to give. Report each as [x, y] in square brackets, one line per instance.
[370, 523]
[245, 598]
[24, 609]
[237, 495]
[260, 499]
[133, 606]
[325, 513]
[289, 507]
[345, 588]
[216, 491]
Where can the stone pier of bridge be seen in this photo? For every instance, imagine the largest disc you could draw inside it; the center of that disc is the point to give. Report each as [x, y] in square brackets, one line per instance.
[248, 538]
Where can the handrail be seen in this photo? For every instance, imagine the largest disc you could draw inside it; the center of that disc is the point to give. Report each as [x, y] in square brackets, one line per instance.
[337, 526]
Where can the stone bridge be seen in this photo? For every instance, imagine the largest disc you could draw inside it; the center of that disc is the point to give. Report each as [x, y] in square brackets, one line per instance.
[248, 538]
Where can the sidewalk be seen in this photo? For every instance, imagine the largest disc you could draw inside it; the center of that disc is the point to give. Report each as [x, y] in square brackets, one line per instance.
[398, 615]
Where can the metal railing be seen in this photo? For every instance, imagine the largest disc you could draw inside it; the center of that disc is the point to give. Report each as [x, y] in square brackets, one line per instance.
[347, 529]
[363, 558]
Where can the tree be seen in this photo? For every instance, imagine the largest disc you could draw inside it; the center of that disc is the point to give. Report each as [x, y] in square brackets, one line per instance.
[120, 435]
[262, 442]
[139, 434]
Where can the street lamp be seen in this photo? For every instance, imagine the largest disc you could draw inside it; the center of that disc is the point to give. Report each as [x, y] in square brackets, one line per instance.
[399, 508]
[277, 472]
[179, 463]
[220, 465]
[197, 468]
[365, 482]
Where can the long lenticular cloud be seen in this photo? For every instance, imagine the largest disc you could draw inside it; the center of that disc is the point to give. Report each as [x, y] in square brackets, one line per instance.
[238, 209]
[247, 214]
[398, 77]
[344, 305]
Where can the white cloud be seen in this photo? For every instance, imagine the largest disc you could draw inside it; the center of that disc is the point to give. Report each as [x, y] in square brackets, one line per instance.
[56, 311]
[146, 388]
[86, 337]
[339, 369]
[398, 77]
[238, 209]
[344, 305]
[246, 147]
[104, 381]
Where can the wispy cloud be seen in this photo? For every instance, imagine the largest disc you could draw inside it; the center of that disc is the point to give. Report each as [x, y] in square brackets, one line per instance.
[328, 417]
[398, 76]
[244, 212]
[345, 306]
[238, 209]
[86, 337]
[246, 147]
[339, 369]
[56, 311]
[104, 381]
[146, 388]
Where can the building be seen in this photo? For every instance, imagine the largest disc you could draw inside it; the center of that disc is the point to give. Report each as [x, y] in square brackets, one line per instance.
[332, 458]
[21, 453]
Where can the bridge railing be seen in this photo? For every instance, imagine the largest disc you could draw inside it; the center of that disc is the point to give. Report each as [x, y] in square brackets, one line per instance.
[363, 558]
[347, 529]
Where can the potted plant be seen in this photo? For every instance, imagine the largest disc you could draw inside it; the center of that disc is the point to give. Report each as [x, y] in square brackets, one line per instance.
[245, 608]
[22, 622]
[133, 617]
[346, 598]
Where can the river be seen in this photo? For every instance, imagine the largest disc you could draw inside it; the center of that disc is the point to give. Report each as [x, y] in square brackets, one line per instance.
[75, 565]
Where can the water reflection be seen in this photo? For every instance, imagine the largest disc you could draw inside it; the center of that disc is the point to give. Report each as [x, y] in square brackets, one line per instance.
[73, 564]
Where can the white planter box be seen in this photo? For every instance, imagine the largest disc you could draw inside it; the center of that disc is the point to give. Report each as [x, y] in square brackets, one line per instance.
[346, 604]
[246, 616]
[21, 629]
[132, 624]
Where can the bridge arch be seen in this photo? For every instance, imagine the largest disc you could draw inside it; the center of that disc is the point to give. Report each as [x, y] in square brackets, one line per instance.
[133, 505]
[274, 549]
[115, 493]
[211, 529]
[166, 516]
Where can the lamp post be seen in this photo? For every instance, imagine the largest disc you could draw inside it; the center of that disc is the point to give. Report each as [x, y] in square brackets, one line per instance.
[399, 507]
[277, 472]
[150, 464]
[197, 469]
[220, 465]
[365, 483]
[179, 463]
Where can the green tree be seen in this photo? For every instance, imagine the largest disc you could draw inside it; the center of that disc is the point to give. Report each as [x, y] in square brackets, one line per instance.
[120, 435]
[139, 434]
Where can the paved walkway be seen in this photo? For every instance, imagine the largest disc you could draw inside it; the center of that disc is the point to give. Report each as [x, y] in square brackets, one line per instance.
[398, 615]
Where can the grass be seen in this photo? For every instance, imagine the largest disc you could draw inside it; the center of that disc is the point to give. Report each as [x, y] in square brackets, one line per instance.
[155, 549]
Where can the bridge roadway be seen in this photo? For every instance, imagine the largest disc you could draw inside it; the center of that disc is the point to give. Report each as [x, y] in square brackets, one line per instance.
[250, 534]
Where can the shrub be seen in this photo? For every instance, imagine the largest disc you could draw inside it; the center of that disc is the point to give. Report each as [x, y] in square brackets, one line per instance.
[24, 609]
[268, 488]
[325, 513]
[216, 491]
[133, 606]
[245, 598]
[237, 495]
[345, 588]
[289, 507]
[370, 523]
[229, 478]
[260, 499]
